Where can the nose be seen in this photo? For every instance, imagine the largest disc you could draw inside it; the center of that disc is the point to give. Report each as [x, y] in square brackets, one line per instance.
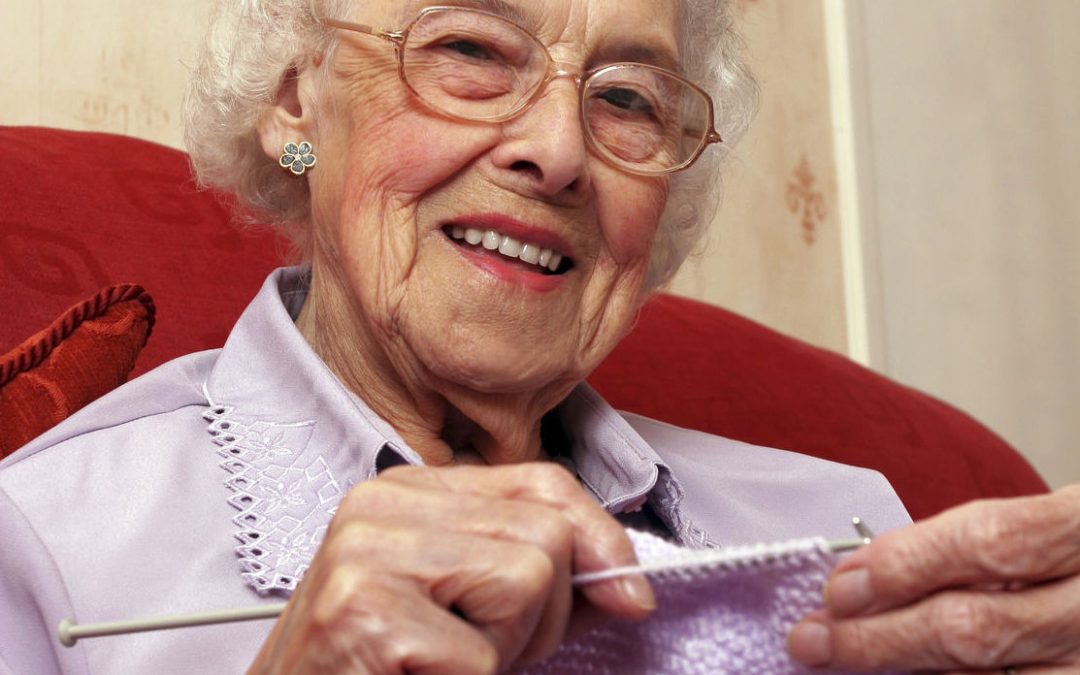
[544, 150]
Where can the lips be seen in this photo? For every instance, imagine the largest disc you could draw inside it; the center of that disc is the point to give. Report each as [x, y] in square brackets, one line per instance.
[534, 249]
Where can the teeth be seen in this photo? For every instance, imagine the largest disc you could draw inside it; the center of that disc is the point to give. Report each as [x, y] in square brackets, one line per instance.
[529, 253]
[508, 246]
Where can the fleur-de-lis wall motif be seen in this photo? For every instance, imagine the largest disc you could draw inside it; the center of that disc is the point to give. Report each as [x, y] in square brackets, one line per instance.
[804, 201]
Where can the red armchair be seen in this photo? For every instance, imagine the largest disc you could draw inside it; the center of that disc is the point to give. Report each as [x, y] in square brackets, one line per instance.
[85, 211]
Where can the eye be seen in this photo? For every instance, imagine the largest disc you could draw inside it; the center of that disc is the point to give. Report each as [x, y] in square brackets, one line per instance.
[626, 99]
[469, 49]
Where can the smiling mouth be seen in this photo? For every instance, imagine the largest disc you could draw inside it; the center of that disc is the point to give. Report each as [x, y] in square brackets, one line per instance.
[532, 257]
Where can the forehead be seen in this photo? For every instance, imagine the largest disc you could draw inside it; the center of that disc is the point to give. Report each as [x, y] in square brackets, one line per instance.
[624, 30]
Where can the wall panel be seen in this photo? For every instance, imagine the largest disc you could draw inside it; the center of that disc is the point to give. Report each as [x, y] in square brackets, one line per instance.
[972, 110]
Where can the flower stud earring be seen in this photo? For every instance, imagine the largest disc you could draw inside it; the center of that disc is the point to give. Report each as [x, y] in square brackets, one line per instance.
[297, 157]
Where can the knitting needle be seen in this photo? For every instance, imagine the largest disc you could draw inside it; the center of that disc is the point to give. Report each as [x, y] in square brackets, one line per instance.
[845, 545]
[70, 632]
[865, 532]
[734, 555]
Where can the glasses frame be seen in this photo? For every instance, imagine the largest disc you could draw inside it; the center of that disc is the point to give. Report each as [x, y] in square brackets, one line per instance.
[582, 79]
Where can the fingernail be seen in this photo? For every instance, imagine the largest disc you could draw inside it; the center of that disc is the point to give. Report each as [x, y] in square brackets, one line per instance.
[640, 592]
[810, 643]
[849, 592]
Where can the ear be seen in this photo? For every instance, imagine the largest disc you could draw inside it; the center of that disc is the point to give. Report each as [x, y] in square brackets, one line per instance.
[292, 117]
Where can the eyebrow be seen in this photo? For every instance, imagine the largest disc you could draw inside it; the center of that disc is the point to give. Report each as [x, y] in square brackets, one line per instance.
[641, 52]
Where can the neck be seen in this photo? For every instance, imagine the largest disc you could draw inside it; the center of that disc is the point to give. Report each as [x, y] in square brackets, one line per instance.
[445, 423]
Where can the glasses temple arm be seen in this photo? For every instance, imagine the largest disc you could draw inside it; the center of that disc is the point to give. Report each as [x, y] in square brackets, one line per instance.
[391, 36]
[711, 136]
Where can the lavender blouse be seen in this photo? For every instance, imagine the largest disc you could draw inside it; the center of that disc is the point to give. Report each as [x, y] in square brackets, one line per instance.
[209, 483]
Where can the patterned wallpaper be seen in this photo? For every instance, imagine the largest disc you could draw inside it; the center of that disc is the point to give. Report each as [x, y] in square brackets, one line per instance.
[113, 65]
[773, 253]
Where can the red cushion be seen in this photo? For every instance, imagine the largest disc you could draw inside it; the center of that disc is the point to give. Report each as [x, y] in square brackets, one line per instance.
[82, 355]
[705, 368]
[86, 210]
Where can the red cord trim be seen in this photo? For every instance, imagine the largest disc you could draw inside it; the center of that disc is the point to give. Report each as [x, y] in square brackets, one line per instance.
[32, 352]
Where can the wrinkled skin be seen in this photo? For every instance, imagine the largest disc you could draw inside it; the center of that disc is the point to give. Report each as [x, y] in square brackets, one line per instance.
[980, 587]
[448, 568]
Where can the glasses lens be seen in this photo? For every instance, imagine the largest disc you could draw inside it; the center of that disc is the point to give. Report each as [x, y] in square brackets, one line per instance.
[472, 65]
[645, 118]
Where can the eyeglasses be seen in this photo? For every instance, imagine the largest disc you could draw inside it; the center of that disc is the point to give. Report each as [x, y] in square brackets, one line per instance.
[473, 65]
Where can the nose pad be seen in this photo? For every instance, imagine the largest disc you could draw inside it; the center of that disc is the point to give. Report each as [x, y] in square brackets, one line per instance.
[545, 147]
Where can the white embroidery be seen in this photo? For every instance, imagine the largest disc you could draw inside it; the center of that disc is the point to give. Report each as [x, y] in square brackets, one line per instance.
[286, 498]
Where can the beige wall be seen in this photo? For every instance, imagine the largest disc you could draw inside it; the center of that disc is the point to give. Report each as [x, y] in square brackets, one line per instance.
[970, 162]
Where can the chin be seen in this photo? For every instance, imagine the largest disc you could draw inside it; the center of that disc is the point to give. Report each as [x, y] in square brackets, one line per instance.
[504, 369]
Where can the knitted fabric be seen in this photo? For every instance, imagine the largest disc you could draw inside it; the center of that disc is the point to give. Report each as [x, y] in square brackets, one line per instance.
[718, 611]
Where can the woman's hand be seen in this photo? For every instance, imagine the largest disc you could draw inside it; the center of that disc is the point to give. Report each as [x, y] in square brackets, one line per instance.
[984, 586]
[452, 570]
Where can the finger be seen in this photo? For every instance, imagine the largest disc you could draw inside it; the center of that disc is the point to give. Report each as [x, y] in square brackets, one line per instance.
[951, 630]
[354, 622]
[503, 588]
[419, 503]
[415, 500]
[537, 525]
[383, 625]
[406, 503]
[599, 541]
[1025, 539]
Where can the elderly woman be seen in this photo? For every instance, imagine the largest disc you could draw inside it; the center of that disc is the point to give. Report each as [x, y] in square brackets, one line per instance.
[396, 436]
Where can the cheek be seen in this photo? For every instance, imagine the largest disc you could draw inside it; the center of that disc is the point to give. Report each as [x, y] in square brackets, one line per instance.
[632, 217]
[409, 152]
[388, 141]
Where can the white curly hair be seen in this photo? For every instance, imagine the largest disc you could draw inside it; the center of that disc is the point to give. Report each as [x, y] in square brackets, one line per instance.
[252, 45]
